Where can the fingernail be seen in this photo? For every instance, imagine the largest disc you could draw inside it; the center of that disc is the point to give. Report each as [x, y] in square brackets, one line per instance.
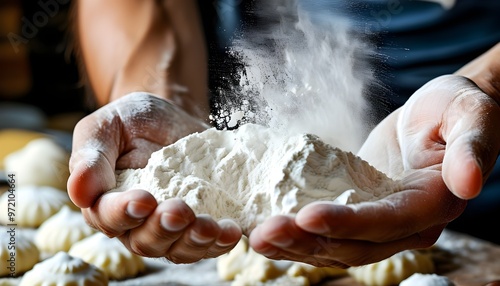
[138, 210]
[281, 241]
[200, 239]
[172, 222]
[223, 245]
[314, 225]
[479, 162]
[226, 224]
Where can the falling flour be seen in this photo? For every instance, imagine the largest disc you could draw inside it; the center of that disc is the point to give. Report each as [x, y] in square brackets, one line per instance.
[251, 173]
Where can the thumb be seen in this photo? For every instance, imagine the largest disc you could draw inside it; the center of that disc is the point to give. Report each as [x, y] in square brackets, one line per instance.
[93, 158]
[91, 175]
[472, 144]
[462, 169]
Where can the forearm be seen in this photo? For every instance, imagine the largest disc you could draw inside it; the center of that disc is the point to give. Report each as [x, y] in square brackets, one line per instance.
[147, 45]
[485, 72]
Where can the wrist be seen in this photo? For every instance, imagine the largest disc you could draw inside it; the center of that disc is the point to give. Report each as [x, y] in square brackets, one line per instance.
[484, 71]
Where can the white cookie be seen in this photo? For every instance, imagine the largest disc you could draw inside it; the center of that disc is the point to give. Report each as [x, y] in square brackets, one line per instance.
[61, 231]
[34, 205]
[243, 266]
[393, 270]
[63, 269]
[110, 255]
[18, 252]
[41, 162]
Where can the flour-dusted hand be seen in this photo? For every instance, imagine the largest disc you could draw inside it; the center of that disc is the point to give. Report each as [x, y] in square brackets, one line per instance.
[448, 125]
[441, 144]
[122, 135]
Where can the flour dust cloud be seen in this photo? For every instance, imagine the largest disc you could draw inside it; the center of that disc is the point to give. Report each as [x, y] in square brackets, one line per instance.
[303, 73]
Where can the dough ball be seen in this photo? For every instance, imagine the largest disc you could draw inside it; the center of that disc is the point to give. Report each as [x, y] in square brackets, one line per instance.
[231, 263]
[314, 274]
[41, 162]
[60, 231]
[34, 205]
[393, 270]
[244, 266]
[64, 270]
[258, 270]
[419, 279]
[110, 255]
[26, 252]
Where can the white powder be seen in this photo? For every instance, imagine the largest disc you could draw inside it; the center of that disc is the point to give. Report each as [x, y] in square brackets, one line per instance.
[252, 173]
[447, 4]
[419, 279]
[301, 72]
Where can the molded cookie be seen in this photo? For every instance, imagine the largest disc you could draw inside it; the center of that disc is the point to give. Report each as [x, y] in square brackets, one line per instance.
[110, 255]
[61, 231]
[18, 253]
[63, 269]
[35, 205]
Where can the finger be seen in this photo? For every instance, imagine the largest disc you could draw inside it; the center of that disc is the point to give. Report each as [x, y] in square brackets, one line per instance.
[230, 235]
[473, 143]
[280, 238]
[461, 170]
[117, 212]
[425, 201]
[91, 175]
[194, 243]
[92, 162]
[162, 228]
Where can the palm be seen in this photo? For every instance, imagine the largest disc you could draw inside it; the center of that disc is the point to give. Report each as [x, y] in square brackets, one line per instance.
[139, 124]
[448, 121]
[121, 135]
[438, 145]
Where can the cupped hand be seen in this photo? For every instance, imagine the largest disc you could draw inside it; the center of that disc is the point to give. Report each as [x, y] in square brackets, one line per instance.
[441, 145]
[122, 135]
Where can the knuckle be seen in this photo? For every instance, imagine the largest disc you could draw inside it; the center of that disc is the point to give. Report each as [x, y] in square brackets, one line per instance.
[143, 249]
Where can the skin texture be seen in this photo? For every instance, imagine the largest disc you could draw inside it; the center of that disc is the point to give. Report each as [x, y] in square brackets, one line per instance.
[485, 71]
[164, 56]
[123, 135]
[442, 144]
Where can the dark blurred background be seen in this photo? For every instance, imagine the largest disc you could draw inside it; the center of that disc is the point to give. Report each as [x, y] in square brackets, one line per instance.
[42, 92]
[40, 84]
[38, 72]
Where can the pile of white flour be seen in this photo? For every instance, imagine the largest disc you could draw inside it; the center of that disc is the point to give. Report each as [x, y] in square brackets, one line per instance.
[252, 173]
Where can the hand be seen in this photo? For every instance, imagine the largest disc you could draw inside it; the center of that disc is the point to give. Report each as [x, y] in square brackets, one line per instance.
[485, 72]
[122, 135]
[441, 144]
